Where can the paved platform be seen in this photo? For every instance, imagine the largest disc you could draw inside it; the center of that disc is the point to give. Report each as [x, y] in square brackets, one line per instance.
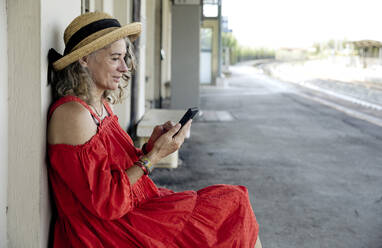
[314, 173]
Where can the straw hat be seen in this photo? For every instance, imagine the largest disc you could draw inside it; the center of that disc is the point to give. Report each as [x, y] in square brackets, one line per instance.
[90, 32]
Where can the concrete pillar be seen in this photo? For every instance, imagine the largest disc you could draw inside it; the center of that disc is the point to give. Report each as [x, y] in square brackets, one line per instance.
[28, 216]
[166, 47]
[220, 38]
[185, 59]
[123, 12]
[150, 55]
[141, 73]
[153, 63]
[106, 6]
[157, 49]
[3, 124]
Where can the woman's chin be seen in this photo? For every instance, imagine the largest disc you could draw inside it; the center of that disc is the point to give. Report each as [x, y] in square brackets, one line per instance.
[113, 86]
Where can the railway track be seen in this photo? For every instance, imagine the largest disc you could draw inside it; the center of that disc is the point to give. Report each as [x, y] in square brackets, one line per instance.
[361, 99]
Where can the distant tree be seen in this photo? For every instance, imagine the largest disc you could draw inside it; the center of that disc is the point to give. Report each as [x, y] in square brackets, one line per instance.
[239, 53]
[229, 41]
[317, 47]
[331, 44]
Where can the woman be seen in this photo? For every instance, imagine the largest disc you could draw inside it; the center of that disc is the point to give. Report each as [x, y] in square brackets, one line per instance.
[100, 181]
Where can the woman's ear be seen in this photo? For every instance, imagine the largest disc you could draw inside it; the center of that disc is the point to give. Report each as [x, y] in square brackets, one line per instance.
[84, 61]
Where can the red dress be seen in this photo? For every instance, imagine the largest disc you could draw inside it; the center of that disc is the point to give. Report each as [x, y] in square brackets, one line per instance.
[98, 207]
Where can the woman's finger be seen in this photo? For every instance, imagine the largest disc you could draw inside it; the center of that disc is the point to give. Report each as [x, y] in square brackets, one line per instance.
[183, 132]
[186, 128]
[173, 130]
[167, 126]
[157, 131]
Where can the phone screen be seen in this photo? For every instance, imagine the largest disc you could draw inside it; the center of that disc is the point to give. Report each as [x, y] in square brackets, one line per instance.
[191, 112]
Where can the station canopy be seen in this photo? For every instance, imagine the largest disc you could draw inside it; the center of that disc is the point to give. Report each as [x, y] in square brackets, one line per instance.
[367, 43]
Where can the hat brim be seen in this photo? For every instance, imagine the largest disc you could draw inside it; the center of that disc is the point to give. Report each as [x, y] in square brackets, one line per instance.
[131, 30]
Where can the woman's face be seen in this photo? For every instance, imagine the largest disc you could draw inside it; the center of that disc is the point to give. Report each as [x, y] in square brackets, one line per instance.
[107, 65]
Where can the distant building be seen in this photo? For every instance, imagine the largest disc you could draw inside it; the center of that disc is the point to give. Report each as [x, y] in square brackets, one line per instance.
[210, 42]
[368, 48]
[370, 51]
[225, 28]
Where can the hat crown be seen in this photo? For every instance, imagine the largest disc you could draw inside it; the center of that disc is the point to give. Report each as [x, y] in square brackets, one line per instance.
[83, 20]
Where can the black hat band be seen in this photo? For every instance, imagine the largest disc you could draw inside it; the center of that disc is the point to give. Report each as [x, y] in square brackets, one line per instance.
[87, 30]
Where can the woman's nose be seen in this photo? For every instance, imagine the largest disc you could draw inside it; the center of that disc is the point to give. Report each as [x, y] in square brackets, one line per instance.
[123, 66]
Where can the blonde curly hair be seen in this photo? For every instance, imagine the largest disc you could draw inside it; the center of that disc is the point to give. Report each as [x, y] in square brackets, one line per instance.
[76, 80]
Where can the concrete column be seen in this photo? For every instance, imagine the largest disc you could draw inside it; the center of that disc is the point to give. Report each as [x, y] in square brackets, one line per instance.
[166, 46]
[138, 82]
[108, 6]
[91, 5]
[123, 12]
[3, 124]
[141, 73]
[150, 54]
[220, 38]
[98, 5]
[28, 216]
[153, 63]
[185, 59]
[157, 59]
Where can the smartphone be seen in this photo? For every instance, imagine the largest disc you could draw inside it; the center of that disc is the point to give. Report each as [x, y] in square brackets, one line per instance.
[191, 112]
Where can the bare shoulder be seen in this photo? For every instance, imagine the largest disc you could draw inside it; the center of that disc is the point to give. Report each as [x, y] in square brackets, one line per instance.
[72, 124]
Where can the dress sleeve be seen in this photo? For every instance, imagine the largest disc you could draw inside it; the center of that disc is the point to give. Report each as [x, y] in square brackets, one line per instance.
[101, 186]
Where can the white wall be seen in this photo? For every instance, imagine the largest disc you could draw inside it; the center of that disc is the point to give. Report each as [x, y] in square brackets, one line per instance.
[3, 123]
[53, 26]
[25, 131]
[29, 97]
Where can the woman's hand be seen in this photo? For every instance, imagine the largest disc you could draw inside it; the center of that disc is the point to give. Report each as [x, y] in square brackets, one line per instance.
[157, 132]
[167, 143]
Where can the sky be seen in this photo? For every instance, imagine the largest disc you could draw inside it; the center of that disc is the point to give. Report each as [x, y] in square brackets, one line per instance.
[300, 23]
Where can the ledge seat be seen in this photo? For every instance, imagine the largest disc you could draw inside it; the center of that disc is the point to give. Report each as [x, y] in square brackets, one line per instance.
[154, 117]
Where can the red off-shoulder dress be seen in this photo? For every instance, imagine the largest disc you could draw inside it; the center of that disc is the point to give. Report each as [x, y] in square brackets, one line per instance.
[98, 207]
